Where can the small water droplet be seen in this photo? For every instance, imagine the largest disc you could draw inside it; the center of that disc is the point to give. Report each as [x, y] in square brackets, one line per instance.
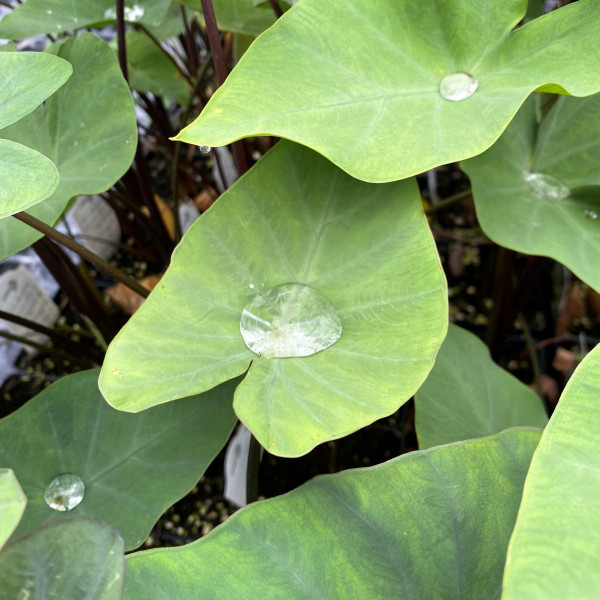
[289, 320]
[590, 214]
[131, 13]
[251, 286]
[458, 86]
[64, 492]
[49, 12]
[546, 187]
[205, 149]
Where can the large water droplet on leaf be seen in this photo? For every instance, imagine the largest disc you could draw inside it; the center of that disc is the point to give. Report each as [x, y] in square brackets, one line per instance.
[64, 492]
[458, 86]
[289, 320]
[546, 186]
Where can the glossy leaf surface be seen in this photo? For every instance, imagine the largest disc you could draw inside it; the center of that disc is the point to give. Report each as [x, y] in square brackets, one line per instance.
[558, 520]
[27, 176]
[565, 150]
[70, 559]
[12, 504]
[89, 136]
[293, 219]
[27, 79]
[312, 78]
[431, 524]
[40, 17]
[467, 395]
[133, 467]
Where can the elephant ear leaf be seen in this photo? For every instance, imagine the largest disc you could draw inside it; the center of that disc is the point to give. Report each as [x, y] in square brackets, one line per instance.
[448, 79]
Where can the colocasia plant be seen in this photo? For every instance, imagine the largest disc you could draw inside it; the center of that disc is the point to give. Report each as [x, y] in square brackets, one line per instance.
[309, 301]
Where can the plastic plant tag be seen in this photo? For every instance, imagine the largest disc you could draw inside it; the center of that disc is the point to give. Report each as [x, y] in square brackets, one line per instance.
[188, 213]
[94, 225]
[21, 296]
[236, 466]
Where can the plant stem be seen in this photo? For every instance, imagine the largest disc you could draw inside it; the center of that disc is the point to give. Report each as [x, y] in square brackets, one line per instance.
[83, 252]
[155, 41]
[122, 52]
[253, 466]
[55, 336]
[533, 355]
[455, 198]
[215, 43]
[276, 8]
[239, 151]
[43, 348]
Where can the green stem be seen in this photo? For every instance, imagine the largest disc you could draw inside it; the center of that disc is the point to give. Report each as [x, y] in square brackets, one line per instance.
[454, 199]
[83, 252]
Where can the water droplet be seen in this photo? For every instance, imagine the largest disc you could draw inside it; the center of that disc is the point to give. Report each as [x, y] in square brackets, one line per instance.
[205, 149]
[458, 86]
[590, 214]
[289, 320]
[131, 13]
[251, 286]
[49, 12]
[546, 186]
[64, 492]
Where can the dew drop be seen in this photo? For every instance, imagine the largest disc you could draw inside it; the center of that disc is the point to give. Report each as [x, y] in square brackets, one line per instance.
[205, 149]
[49, 12]
[130, 13]
[289, 320]
[590, 214]
[64, 492]
[546, 186]
[458, 86]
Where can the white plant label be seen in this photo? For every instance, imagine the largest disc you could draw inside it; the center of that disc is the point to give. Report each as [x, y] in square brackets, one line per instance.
[236, 466]
[94, 225]
[22, 296]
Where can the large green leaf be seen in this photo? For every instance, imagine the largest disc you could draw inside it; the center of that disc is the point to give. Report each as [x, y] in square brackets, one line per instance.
[133, 467]
[563, 152]
[27, 176]
[28, 78]
[39, 17]
[359, 81]
[87, 128]
[431, 524]
[70, 559]
[12, 504]
[555, 546]
[467, 395]
[293, 219]
[240, 16]
[151, 71]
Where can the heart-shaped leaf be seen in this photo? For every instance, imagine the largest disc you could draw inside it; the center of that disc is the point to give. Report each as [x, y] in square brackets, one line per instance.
[431, 524]
[12, 504]
[28, 78]
[558, 520]
[467, 395]
[27, 176]
[362, 82]
[294, 222]
[131, 467]
[40, 17]
[90, 136]
[536, 190]
[70, 559]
